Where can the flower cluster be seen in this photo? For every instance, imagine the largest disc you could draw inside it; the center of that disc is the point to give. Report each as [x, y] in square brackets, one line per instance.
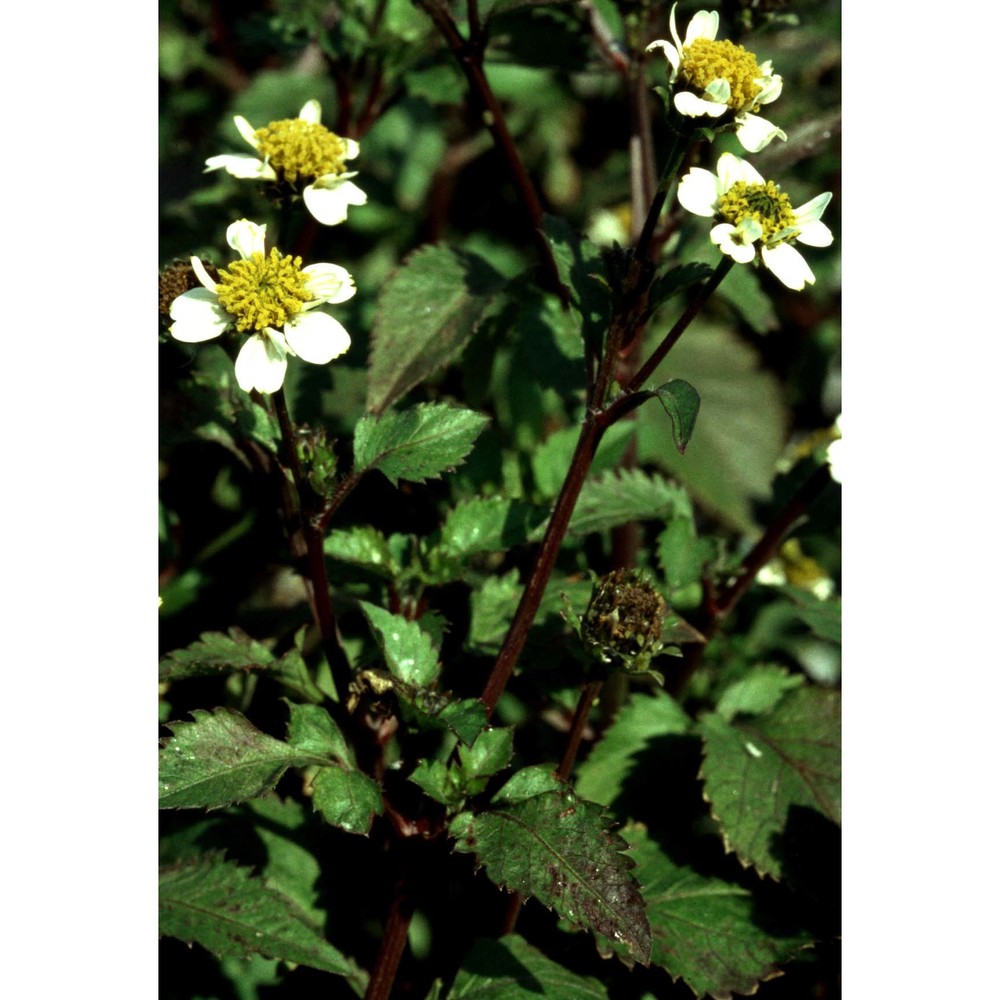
[274, 299]
[724, 83]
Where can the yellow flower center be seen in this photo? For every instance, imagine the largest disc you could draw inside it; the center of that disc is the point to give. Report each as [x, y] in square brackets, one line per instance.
[705, 60]
[765, 203]
[297, 148]
[263, 291]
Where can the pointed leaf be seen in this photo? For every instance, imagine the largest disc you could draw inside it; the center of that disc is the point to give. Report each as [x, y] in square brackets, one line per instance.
[681, 401]
[489, 525]
[216, 652]
[559, 849]
[348, 799]
[645, 717]
[222, 758]
[362, 545]
[629, 495]
[758, 770]
[408, 651]
[416, 444]
[757, 692]
[426, 313]
[312, 730]
[229, 911]
[511, 968]
[705, 930]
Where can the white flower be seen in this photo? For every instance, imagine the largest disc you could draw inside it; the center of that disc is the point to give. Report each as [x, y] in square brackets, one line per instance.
[720, 76]
[272, 296]
[754, 211]
[301, 153]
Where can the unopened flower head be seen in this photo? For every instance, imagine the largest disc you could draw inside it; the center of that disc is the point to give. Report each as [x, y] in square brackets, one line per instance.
[753, 211]
[720, 79]
[273, 298]
[302, 157]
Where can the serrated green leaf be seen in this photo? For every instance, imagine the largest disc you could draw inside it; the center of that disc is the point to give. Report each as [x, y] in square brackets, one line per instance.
[362, 545]
[311, 730]
[511, 968]
[705, 930]
[758, 692]
[416, 444]
[628, 495]
[221, 758]
[438, 781]
[559, 849]
[426, 313]
[229, 911]
[681, 554]
[408, 650]
[490, 753]
[216, 652]
[681, 401]
[489, 525]
[757, 771]
[347, 799]
[645, 717]
[291, 867]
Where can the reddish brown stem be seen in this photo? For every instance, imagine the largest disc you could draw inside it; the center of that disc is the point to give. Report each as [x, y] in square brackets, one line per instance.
[397, 925]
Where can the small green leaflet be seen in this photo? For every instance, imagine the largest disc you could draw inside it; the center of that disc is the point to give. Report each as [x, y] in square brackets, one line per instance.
[416, 444]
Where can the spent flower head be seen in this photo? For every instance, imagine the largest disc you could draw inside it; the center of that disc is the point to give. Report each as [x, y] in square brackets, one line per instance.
[753, 211]
[720, 80]
[273, 298]
[300, 156]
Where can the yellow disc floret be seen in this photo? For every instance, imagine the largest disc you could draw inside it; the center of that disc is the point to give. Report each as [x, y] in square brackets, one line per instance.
[765, 203]
[299, 149]
[263, 291]
[706, 60]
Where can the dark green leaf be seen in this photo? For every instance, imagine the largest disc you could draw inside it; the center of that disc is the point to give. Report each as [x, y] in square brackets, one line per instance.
[559, 849]
[439, 781]
[416, 444]
[741, 423]
[493, 607]
[489, 525]
[822, 615]
[221, 758]
[408, 651]
[426, 313]
[215, 652]
[628, 495]
[601, 775]
[511, 968]
[757, 692]
[490, 753]
[551, 460]
[705, 930]
[347, 799]
[311, 730]
[362, 545]
[528, 782]
[681, 402]
[229, 911]
[667, 285]
[756, 771]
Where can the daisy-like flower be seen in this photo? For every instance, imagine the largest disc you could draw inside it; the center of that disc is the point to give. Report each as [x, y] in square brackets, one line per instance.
[303, 157]
[716, 78]
[751, 211]
[272, 297]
